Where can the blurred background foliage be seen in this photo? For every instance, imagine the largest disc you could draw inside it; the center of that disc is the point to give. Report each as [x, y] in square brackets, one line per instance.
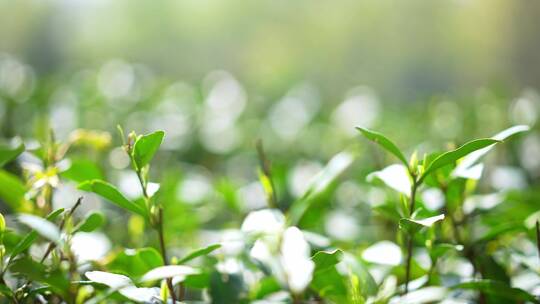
[218, 75]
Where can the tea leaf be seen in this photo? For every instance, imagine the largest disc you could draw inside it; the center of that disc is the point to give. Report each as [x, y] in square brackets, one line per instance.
[384, 142]
[12, 191]
[82, 170]
[463, 169]
[413, 225]
[30, 237]
[200, 252]
[91, 222]
[45, 228]
[451, 157]
[394, 176]
[112, 194]
[169, 271]
[325, 259]
[145, 147]
[112, 280]
[11, 151]
[135, 262]
[319, 183]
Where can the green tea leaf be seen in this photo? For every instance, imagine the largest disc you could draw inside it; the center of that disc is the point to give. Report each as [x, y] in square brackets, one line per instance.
[384, 142]
[413, 225]
[12, 191]
[438, 250]
[91, 222]
[145, 147]
[199, 252]
[469, 161]
[30, 237]
[112, 194]
[42, 226]
[451, 157]
[9, 152]
[395, 176]
[112, 280]
[82, 170]
[325, 259]
[498, 289]
[319, 183]
[169, 271]
[135, 262]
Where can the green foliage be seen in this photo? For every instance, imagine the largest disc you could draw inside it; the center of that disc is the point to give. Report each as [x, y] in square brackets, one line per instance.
[199, 253]
[145, 147]
[92, 222]
[10, 152]
[283, 232]
[384, 142]
[112, 195]
[499, 289]
[451, 157]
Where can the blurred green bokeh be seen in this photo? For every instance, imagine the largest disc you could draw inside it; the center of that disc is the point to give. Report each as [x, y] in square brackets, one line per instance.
[404, 50]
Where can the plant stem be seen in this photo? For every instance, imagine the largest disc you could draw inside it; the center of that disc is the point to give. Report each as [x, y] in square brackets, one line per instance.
[159, 229]
[52, 245]
[414, 186]
[164, 252]
[538, 237]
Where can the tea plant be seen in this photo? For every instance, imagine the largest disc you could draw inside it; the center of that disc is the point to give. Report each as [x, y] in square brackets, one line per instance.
[272, 256]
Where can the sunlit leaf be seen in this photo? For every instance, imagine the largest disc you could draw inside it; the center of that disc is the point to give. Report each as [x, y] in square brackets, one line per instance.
[384, 142]
[82, 170]
[91, 222]
[169, 271]
[12, 191]
[135, 262]
[325, 259]
[451, 157]
[9, 152]
[123, 285]
[112, 280]
[112, 194]
[199, 252]
[145, 147]
[394, 176]
[319, 183]
[413, 225]
[140, 294]
[439, 250]
[30, 237]
[467, 168]
[45, 228]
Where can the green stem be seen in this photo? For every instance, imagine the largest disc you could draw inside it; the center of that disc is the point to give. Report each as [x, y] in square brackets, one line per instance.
[538, 237]
[164, 252]
[159, 229]
[414, 186]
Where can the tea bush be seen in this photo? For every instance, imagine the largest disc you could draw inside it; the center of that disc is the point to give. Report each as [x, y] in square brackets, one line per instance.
[86, 221]
[270, 258]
